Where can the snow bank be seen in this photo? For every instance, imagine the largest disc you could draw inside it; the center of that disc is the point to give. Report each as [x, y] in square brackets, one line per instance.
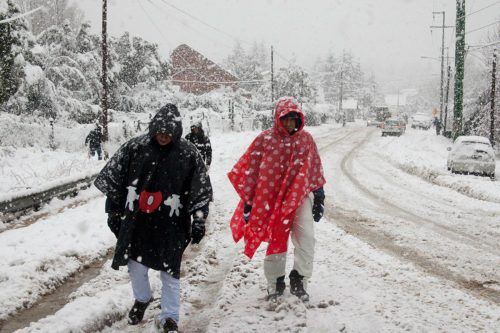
[423, 154]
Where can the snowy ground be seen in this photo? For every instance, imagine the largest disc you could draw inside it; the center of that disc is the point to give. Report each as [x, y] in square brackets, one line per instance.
[404, 246]
[26, 170]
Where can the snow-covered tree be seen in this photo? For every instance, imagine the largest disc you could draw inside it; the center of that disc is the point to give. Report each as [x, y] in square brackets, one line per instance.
[83, 41]
[248, 65]
[332, 71]
[294, 81]
[13, 48]
[477, 88]
[140, 61]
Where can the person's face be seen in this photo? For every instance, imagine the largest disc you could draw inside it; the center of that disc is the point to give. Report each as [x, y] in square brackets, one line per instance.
[163, 139]
[194, 130]
[289, 124]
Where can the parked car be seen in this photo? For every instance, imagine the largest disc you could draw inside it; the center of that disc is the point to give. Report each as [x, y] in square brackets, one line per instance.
[472, 155]
[422, 121]
[393, 127]
[402, 123]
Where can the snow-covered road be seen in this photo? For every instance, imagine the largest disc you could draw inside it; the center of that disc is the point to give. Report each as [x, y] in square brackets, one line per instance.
[404, 246]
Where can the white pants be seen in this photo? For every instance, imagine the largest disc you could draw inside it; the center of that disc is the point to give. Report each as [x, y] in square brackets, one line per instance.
[170, 290]
[302, 235]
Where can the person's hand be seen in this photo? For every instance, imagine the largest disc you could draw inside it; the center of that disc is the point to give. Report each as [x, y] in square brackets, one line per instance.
[246, 212]
[197, 230]
[115, 222]
[318, 210]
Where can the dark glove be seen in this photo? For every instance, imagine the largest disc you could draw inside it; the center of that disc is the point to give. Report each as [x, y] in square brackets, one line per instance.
[246, 212]
[115, 223]
[318, 208]
[197, 230]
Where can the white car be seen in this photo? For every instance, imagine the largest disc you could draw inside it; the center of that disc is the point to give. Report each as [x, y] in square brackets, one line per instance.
[472, 154]
[420, 120]
[393, 127]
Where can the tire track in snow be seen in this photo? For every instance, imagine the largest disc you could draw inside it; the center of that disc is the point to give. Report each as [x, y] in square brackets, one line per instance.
[359, 226]
[408, 215]
[56, 299]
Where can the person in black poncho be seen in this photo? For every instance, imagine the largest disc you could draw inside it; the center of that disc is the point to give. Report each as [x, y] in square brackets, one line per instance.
[94, 140]
[158, 193]
[201, 142]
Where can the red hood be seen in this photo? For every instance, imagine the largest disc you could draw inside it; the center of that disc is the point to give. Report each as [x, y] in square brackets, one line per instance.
[284, 106]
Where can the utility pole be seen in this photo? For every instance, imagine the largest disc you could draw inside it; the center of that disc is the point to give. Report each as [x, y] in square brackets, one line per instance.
[446, 99]
[397, 105]
[459, 69]
[341, 92]
[104, 79]
[272, 75]
[441, 99]
[492, 102]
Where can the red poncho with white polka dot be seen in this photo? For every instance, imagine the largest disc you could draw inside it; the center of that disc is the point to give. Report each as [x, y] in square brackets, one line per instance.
[274, 176]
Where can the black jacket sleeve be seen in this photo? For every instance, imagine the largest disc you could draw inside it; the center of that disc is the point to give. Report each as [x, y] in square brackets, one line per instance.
[200, 188]
[113, 177]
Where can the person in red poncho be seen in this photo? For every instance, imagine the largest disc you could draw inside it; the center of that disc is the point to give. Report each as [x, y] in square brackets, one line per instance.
[274, 180]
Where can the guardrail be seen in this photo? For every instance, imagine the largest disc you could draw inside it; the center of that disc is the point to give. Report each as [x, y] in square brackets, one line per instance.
[35, 200]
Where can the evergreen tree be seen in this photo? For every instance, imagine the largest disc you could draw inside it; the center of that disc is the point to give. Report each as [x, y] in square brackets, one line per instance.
[84, 43]
[328, 73]
[247, 66]
[12, 41]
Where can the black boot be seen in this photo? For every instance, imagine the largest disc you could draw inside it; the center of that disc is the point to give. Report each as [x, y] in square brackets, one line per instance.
[137, 312]
[170, 326]
[280, 289]
[297, 286]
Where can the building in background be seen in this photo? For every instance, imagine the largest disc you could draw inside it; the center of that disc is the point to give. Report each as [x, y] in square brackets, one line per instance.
[194, 73]
[351, 109]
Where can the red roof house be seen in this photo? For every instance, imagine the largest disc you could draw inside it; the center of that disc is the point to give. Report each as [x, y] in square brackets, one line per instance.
[194, 73]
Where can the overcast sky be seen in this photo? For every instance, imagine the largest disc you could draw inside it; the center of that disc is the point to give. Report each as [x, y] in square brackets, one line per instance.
[387, 36]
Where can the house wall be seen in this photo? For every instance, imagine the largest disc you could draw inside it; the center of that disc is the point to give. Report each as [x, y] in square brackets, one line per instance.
[189, 65]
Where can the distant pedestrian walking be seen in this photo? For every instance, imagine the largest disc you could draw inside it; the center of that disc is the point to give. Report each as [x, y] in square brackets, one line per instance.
[437, 124]
[94, 140]
[201, 142]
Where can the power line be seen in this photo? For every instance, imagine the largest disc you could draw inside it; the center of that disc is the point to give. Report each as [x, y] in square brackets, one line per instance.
[283, 57]
[215, 28]
[162, 35]
[190, 27]
[153, 23]
[479, 10]
[221, 82]
[201, 21]
[485, 45]
[10, 19]
[488, 25]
